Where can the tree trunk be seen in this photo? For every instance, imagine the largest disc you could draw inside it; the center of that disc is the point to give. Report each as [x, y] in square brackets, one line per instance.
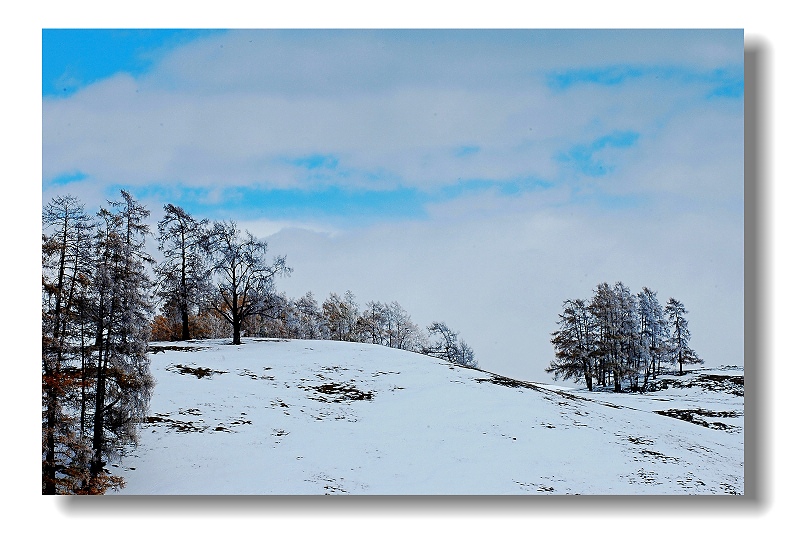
[185, 323]
[237, 331]
[49, 466]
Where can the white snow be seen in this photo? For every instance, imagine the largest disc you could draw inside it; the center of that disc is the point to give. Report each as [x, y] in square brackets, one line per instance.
[323, 417]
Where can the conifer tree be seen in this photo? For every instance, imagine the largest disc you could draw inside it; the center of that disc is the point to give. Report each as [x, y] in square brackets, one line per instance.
[65, 269]
[183, 274]
[679, 350]
[123, 382]
[574, 343]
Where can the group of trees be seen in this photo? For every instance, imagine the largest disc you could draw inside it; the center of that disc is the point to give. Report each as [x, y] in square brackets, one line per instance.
[100, 288]
[104, 297]
[340, 318]
[210, 273]
[620, 337]
[214, 280]
[96, 381]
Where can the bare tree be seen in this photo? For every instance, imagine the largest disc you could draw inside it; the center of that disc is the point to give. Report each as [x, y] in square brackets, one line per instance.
[448, 346]
[244, 279]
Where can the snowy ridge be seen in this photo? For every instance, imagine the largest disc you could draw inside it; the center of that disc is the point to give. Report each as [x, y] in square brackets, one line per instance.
[323, 417]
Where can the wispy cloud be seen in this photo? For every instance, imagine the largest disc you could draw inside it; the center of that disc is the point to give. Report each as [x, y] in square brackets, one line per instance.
[583, 157]
[718, 82]
[316, 161]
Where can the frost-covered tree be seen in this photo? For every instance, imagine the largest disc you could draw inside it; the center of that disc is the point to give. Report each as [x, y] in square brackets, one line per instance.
[312, 326]
[402, 332]
[341, 316]
[375, 323]
[652, 332]
[245, 281]
[183, 276]
[604, 313]
[121, 289]
[620, 337]
[574, 343]
[678, 344]
[629, 343]
[66, 271]
[446, 345]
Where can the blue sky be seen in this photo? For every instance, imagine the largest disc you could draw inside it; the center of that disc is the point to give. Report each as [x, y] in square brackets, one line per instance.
[558, 155]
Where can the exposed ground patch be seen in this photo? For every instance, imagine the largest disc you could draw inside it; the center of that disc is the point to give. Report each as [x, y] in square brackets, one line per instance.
[161, 349]
[341, 392]
[197, 371]
[708, 382]
[696, 415]
[507, 382]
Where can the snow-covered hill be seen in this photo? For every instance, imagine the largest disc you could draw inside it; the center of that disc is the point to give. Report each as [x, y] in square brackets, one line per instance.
[320, 417]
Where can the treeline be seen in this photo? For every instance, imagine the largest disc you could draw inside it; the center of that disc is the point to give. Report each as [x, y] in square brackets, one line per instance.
[620, 337]
[339, 318]
[104, 297]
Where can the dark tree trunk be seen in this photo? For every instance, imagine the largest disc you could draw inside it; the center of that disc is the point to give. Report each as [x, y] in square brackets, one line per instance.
[49, 467]
[185, 323]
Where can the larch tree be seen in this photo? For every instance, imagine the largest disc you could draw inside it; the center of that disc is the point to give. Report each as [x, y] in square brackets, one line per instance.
[629, 343]
[652, 331]
[678, 342]
[341, 316]
[448, 346]
[123, 383]
[66, 267]
[311, 321]
[183, 276]
[245, 281]
[604, 313]
[574, 343]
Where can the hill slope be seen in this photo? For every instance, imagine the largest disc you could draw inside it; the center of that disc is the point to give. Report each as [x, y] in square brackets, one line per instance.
[318, 417]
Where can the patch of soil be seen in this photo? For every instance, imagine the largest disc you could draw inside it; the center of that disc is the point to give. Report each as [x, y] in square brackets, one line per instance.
[507, 382]
[161, 349]
[664, 458]
[197, 371]
[708, 382]
[174, 424]
[342, 392]
[695, 416]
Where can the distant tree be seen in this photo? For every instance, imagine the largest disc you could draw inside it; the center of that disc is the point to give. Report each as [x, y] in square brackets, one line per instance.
[628, 336]
[311, 322]
[652, 330]
[183, 275]
[604, 312]
[678, 343]
[574, 343]
[342, 317]
[447, 346]
[245, 280]
[402, 332]
[375, 323]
